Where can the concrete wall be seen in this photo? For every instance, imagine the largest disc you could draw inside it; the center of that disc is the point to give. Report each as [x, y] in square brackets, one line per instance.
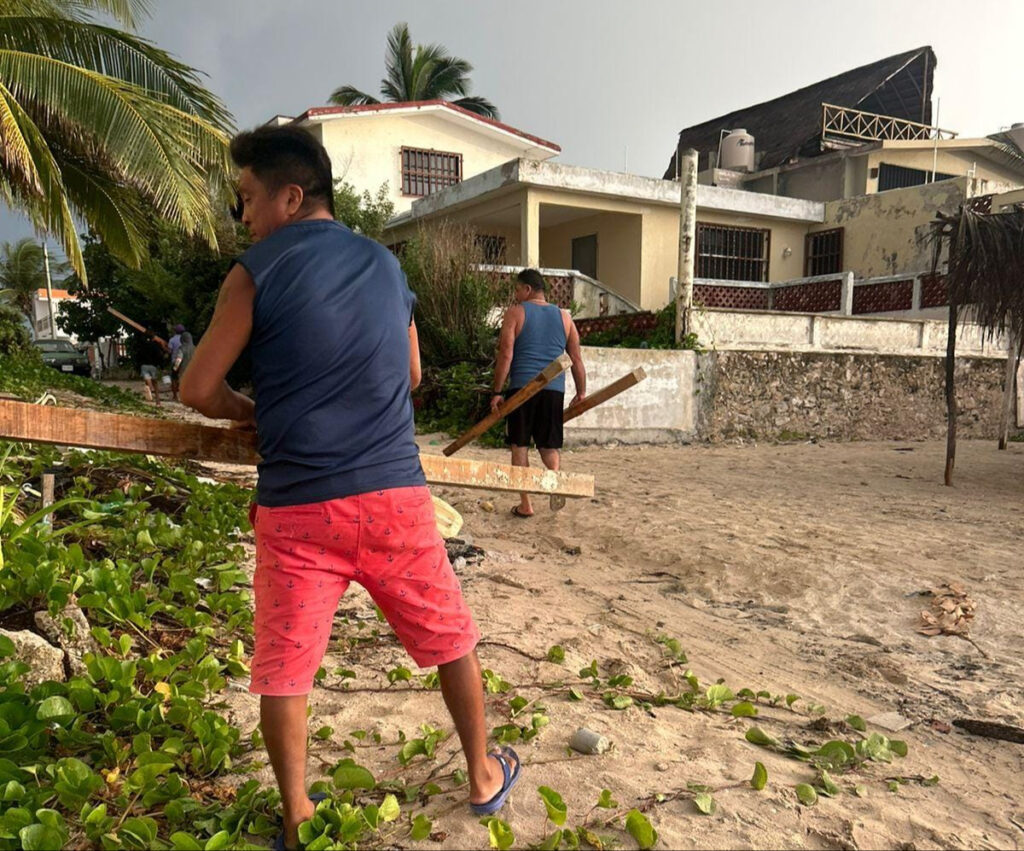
[887, 233]
[734, 329]
[367, 150]
[958, 163]
[660, 409]
[618, 249]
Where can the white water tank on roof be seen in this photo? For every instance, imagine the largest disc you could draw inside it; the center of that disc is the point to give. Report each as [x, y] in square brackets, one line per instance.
[737, 151]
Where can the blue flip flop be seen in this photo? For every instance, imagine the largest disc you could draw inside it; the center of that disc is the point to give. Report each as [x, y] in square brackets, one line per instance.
[488, 808]
[316, 798]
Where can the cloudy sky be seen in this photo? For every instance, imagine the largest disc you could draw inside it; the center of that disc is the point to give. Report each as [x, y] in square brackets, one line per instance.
[611, 82]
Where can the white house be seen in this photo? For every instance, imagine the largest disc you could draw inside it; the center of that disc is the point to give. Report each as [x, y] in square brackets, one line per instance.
[415, 148]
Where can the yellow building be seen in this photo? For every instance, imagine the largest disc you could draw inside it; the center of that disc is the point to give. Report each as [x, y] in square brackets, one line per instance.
[415, 148]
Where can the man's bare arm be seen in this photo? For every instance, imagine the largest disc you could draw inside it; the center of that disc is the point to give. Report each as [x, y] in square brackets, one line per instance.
[506, 346]
[203, 386]
[579, 371]
[415, 370]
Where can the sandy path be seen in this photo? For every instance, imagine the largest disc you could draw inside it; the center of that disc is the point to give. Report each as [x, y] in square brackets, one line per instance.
[787, 568]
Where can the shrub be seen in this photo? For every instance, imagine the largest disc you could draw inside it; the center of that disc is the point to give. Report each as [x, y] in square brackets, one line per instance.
[661, 336]
[14, 335]
[452, 398]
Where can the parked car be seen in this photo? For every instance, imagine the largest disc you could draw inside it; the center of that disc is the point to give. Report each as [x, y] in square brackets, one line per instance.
[62, 355]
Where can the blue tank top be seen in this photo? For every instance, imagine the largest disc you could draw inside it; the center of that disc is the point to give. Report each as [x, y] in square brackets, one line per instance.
[541, 340]
[330, 365]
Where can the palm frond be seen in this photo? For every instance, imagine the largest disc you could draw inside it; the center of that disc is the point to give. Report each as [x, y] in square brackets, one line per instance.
[128, 13]
[398, 65]
[479, 106]
[446, 77]
[350, 96]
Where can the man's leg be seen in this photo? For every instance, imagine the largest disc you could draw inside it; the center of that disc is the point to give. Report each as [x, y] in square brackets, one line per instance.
[551, 458]
[464, 697]
[284, 725]
[521, 458]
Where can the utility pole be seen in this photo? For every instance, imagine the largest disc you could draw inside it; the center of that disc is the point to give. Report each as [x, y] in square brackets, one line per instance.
[687, 168]
[49, 292]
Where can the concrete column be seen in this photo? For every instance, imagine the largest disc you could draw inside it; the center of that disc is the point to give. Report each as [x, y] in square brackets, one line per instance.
[925, 337]
[687, 239]
[846, 295]
[915, 299]
[529, 231]
[816, 322]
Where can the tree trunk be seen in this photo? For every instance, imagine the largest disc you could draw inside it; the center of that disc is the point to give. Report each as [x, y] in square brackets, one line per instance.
[951, 394]
[1009, 388]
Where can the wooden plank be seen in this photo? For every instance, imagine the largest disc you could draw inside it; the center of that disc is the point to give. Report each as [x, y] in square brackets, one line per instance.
[71, 427]
[530, 389]
[604, 394]
[135, 325]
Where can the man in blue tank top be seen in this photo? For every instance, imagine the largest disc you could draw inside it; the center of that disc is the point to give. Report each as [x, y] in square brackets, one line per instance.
[534, 333]
[341, 495]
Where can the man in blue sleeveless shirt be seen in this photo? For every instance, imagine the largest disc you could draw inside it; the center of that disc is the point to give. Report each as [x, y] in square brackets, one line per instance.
[341, 496]
[533, 334]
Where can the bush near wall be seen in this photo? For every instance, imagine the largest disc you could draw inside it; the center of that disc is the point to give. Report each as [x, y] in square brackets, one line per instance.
[645, 330]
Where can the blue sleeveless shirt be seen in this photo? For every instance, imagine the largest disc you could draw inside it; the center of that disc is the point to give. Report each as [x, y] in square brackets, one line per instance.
[330, 365]
[540, 341]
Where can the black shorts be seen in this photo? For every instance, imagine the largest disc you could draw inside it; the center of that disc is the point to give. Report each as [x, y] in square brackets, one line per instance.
[539, 418]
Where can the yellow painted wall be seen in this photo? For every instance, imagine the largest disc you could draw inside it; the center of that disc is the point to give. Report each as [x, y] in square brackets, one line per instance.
[959, 163]
[367, 150]
[887, 233]
[618, 249]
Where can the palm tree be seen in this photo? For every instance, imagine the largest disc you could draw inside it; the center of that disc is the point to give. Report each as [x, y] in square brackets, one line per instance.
[98, 125]
[21, 273]
[419, 72]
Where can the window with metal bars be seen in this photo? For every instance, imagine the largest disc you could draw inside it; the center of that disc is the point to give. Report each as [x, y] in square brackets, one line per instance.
[823, 252]
[492, 247]
[728, 253]
[426, 172]
[900, 177]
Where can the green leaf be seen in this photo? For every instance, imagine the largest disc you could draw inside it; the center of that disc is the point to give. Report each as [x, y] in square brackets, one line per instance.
[618, 701]
[556, 653]
[389, 809]
[836, 753]
[757, 736]
[349, 775]
[806, 794]
[640, 829]
[828, 785]
[181, 841]
[718, 694]
[857, 723]
[55, 707]
[898, 747]
[324, 733]
[791, 699]
[705, 803]
[575, 694]
[554, 804]
[500, 834]
[744, 709]
[552, 842]
[860, 790]
[421, 827]
[605, 800]
[219, 841]
[39, 837]
[760, 778]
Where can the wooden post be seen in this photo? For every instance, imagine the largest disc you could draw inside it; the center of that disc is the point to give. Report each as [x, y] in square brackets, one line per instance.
[49, 292]
[47, 489]
[604, 394]
[1009, 388]
[951, 394]
[27, 423]
[135, 325]
[687, 241]
[530, 389]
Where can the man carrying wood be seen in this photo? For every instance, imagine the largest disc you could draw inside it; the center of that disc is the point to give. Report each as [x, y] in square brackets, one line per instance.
[341, 494]
[534, 333]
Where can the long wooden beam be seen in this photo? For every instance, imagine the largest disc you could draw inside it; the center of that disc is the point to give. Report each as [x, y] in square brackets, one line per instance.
[604, 394]
[541, 380]
[21, 421]
[127, 321]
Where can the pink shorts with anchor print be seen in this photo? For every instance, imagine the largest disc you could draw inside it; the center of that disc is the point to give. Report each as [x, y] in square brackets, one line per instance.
[306, 556]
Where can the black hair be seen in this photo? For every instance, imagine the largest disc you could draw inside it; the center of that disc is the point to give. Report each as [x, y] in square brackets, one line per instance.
[533, 279]
[282, 155]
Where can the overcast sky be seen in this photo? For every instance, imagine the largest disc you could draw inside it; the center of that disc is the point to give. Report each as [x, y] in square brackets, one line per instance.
[611, 82]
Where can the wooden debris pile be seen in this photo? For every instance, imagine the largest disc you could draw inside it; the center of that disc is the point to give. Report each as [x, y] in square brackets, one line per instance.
[951, 612]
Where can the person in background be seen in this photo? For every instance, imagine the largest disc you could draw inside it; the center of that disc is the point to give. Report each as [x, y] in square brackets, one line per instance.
[153, 354]
[174, 346]
[186, 349]
[534, 333]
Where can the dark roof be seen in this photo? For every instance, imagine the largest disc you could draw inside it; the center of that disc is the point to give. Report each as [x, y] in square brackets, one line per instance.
[790, 126]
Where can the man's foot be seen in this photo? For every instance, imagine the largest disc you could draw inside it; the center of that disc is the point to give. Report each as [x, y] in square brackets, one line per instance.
[517, 510]
[503, 773]
[292, 822]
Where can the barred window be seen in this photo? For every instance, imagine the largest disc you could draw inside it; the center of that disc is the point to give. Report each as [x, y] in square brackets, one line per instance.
[823, 252]
[492, 248]
[427, 172]
[728, 253]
